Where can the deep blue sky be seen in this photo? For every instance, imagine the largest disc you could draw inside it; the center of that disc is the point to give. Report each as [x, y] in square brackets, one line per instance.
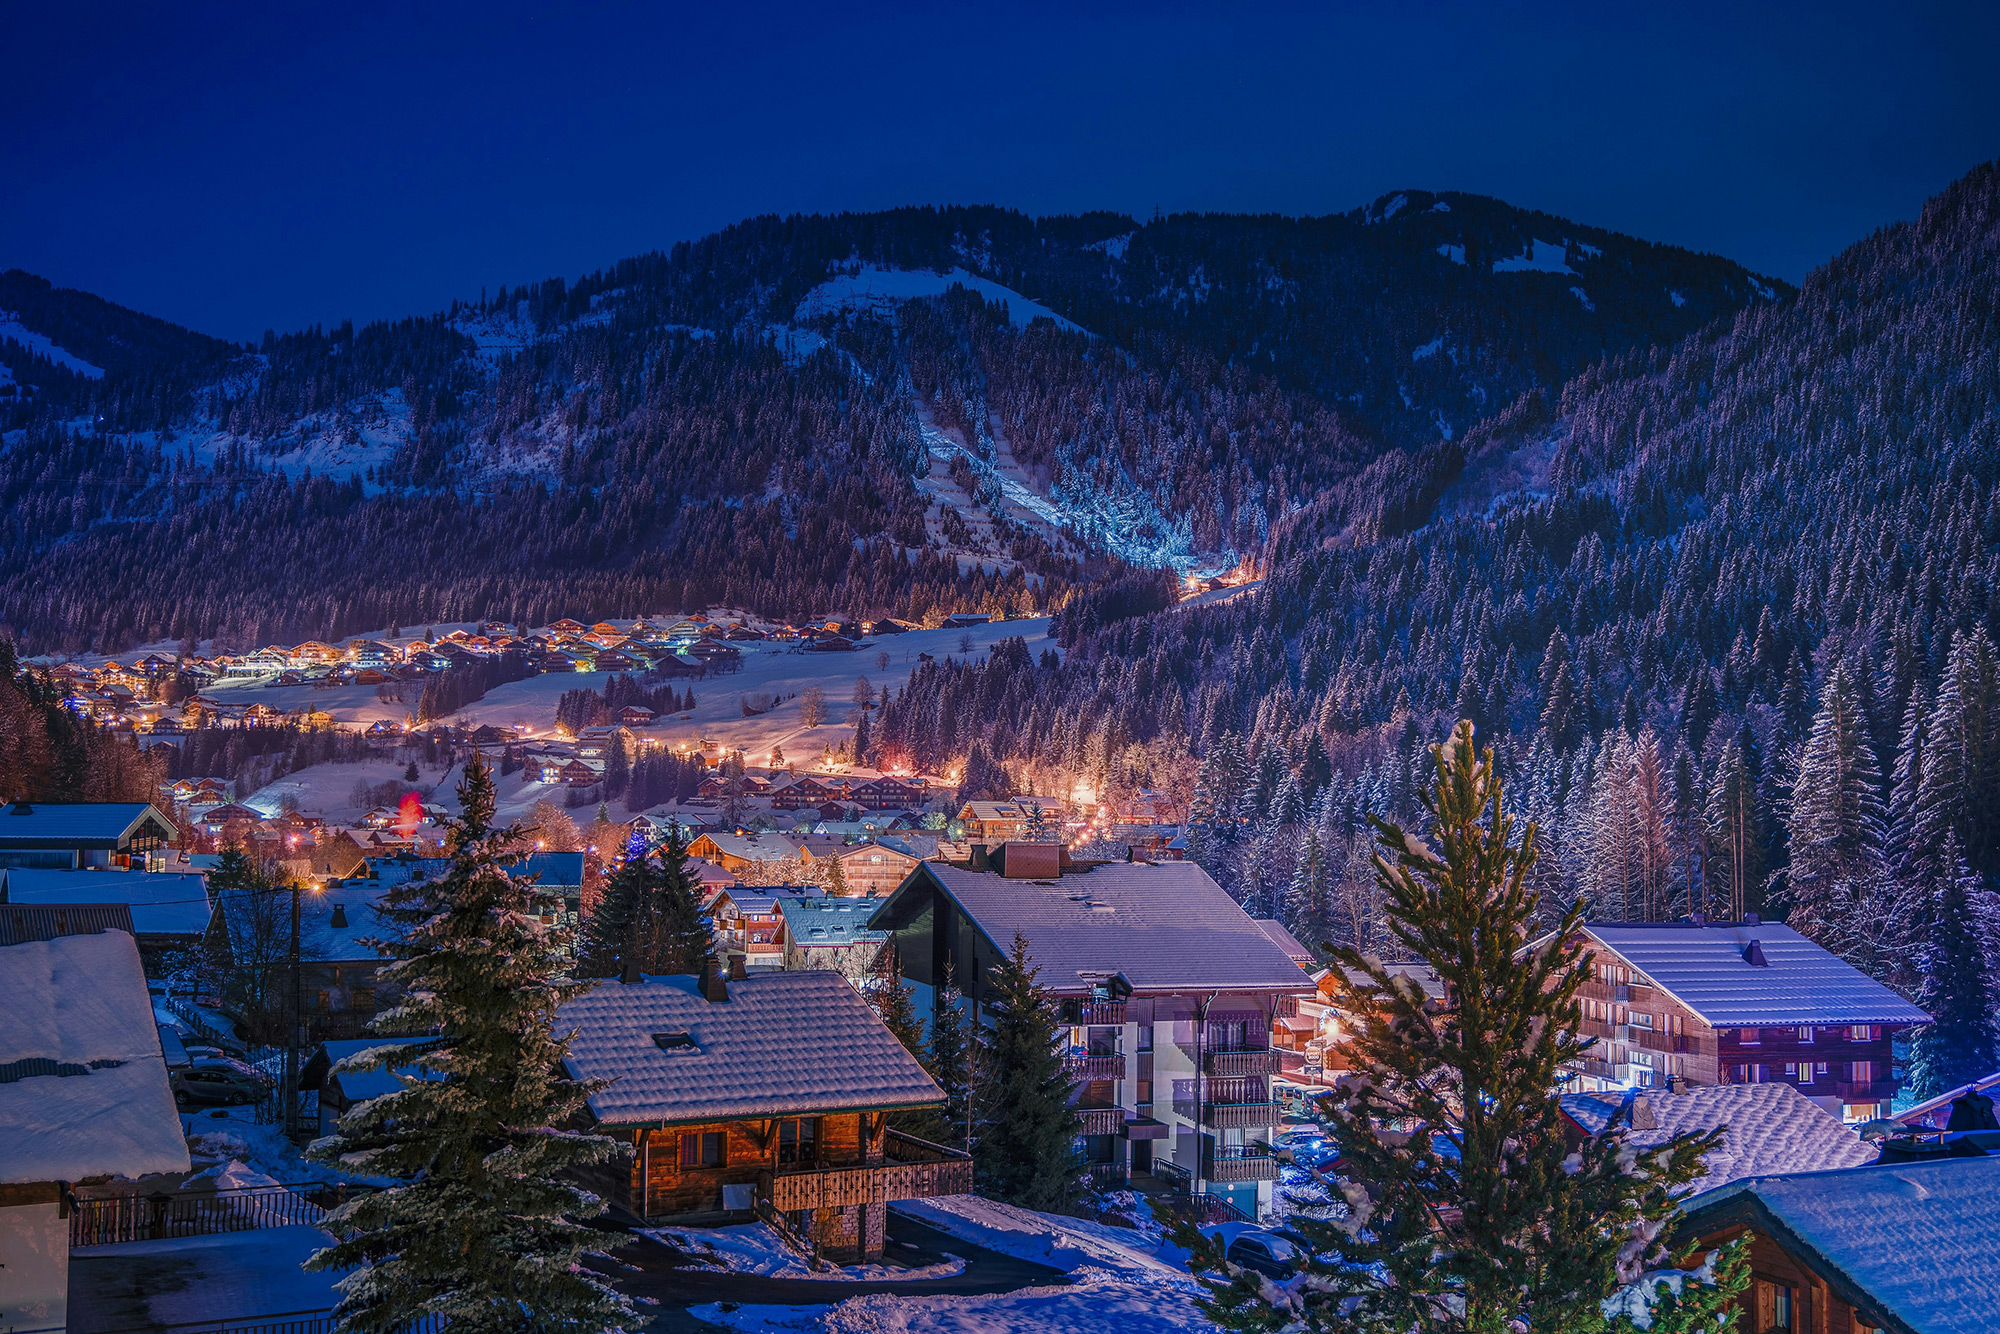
[274, 165]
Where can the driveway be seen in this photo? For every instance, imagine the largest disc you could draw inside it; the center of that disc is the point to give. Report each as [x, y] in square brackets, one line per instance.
[664, 1275]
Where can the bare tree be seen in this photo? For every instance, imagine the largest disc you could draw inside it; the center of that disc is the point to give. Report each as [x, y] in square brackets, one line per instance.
[882, 661]
[864, 694]
[812, 706]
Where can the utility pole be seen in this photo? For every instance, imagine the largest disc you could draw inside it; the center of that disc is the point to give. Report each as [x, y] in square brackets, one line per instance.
[291, 1086]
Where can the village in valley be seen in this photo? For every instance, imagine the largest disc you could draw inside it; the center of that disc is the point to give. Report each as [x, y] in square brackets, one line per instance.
[783, 1115]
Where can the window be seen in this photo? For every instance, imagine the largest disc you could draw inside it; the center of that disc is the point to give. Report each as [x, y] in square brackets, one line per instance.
[1805, 1072]
[1748, 1036]
[798, 1140]
[1819, 1068]
[1791, 1070]
[364, 1000]
[1806, 1032]
[701, 1148]
[1862, 1072]
[1640, 1019]
[1861, 1033]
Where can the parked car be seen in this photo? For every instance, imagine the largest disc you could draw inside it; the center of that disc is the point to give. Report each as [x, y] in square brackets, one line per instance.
[1300, 1143]
[218, 1082]
[1258, 1249]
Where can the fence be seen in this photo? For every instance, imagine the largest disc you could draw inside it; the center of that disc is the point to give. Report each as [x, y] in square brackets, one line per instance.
[284, 1322]
[110, 1219]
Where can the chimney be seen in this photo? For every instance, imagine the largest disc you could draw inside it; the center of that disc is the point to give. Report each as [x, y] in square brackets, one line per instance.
[1750, 919]
[714, 986]
[22, 808]
[737, 971]
[1677, 1085]
[340, 915]
[1699, 918]
[630, 974]
[1753, 954]
[980, 861]
[1642, 1114]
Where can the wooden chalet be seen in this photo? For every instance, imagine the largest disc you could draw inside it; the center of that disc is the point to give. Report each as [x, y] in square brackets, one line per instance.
[765, 1097]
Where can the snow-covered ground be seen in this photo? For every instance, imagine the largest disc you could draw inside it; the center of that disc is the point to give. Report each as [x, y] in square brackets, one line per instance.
[876, 288]
[328, 789]
[11, 327]
[754, 1248]
[1123, 1279]
[231, 1276]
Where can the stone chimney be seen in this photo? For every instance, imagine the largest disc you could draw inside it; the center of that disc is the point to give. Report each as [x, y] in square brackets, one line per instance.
[714, 986]
[630, 974]
[980, 861]
[738, 971]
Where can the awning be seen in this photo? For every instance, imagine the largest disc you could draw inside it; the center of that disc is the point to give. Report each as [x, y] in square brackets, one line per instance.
[1145, 1127]
[1299, 1024]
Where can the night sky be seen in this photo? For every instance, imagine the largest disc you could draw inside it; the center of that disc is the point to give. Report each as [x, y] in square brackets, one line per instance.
[272, 166]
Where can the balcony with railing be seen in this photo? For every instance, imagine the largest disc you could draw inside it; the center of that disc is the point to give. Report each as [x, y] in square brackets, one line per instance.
[1652, 1039]
[1247, 1060]
[1093, 1012]
[1246, 1162]
[1864, 1090]
[1100, 1120]
[911, 1169]
[1087, 1065]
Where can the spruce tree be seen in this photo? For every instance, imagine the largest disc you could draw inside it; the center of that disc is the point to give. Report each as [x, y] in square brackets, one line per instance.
[481, 1228]
[1840, 894]
[1025, 1129]
[1466, 1208]
[1957, 988]
[651, 913]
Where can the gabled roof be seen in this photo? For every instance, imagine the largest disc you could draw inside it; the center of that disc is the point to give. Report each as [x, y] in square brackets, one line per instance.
[1287, 942]
[162, 904]
[81, 824]
[825, 922]
[1767, 1127]
[1913, 1240]
[1704, 968]
[786, 1044]
[1167, 928]
[83, 1083]
[754, 847]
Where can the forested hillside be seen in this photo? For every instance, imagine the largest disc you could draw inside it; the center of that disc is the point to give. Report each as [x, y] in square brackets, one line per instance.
[1728, 608]
[803, 415]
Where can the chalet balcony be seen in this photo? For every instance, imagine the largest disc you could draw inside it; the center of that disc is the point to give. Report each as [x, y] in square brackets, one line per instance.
[1654, 1040]
[1232, 1115]
[1250, 1162]
[1285, 1007]
[1248, 1061]
[912, 1169]
[1637, 993]
[1084, 1066]
[1847, 1090]
[1093, 1012]
[1108, 1176]
[1100, 1120]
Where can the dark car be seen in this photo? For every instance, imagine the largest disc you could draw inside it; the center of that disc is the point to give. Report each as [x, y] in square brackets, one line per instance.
[212, 1083]
[1265, 1253]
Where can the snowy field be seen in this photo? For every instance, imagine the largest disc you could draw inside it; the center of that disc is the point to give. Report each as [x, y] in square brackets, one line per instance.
[1123, 1279]
[328, 789]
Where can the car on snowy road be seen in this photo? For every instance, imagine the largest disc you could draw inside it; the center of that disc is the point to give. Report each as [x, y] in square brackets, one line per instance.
[219, 1083]
[1255, 1248]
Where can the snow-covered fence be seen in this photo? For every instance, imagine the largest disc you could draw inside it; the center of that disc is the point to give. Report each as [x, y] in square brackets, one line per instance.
[283, 1322]
[110, 1219]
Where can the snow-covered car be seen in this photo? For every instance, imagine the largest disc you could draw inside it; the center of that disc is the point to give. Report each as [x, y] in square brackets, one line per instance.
[1256, 1248]
[218, 1082]
[1301, 1143]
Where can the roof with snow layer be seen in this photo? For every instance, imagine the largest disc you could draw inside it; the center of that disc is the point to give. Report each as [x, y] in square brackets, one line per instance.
[1707, 969]
[1165, 926]
[83, 1083]
[1912, 1243]
[787, 1044]
[162, 903]
[1766, 1127]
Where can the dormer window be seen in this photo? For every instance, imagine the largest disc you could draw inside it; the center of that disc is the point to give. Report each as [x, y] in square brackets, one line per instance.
[673, 1042]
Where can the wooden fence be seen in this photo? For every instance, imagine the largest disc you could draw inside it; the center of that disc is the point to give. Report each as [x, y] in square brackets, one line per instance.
[107, 1220]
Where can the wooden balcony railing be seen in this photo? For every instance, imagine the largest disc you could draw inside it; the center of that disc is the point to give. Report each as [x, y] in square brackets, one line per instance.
[1101, 1120]
[913, 1169]
[1095, 1067]
[1263, 1061]
[1093, 1012]
[1244, 1164]
[1285, 1007]
[1232, 1115]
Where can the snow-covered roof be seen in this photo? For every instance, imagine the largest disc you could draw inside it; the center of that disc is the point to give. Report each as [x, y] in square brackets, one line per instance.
[1767, 1127]
[162, 904]
[1285, 941]
[1916, 1238]
[755, 847]
[82, 824]
[830, 921]
[1704, 967]
[1166, 927]
[83, 1083]
[784, 1044]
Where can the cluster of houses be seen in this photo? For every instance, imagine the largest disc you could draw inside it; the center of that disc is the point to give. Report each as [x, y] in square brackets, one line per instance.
[150, 695]
[764, 1087]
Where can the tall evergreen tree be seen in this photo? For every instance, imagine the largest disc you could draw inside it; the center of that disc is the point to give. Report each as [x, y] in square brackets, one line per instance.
[1839, 831]
[1961, 938]
[1959, 789]
[650, 914]
[1467, 1209]
[481, 1228]
[1025, 1128]
[1309, 899]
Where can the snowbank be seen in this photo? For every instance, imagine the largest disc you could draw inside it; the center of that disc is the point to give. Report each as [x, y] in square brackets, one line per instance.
[1095, 1304]
[755, 1249]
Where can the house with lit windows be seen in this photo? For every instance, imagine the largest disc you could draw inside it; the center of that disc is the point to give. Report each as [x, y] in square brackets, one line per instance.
[1745, 1002]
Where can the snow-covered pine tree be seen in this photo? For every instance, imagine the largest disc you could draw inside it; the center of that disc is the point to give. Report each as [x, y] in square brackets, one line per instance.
[1957, 989]
[1960, 785]
[650, 914]
[1510, 1225]
[1839, 833]
[1025, 1129]
[481, 1229]
[1309, 898]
